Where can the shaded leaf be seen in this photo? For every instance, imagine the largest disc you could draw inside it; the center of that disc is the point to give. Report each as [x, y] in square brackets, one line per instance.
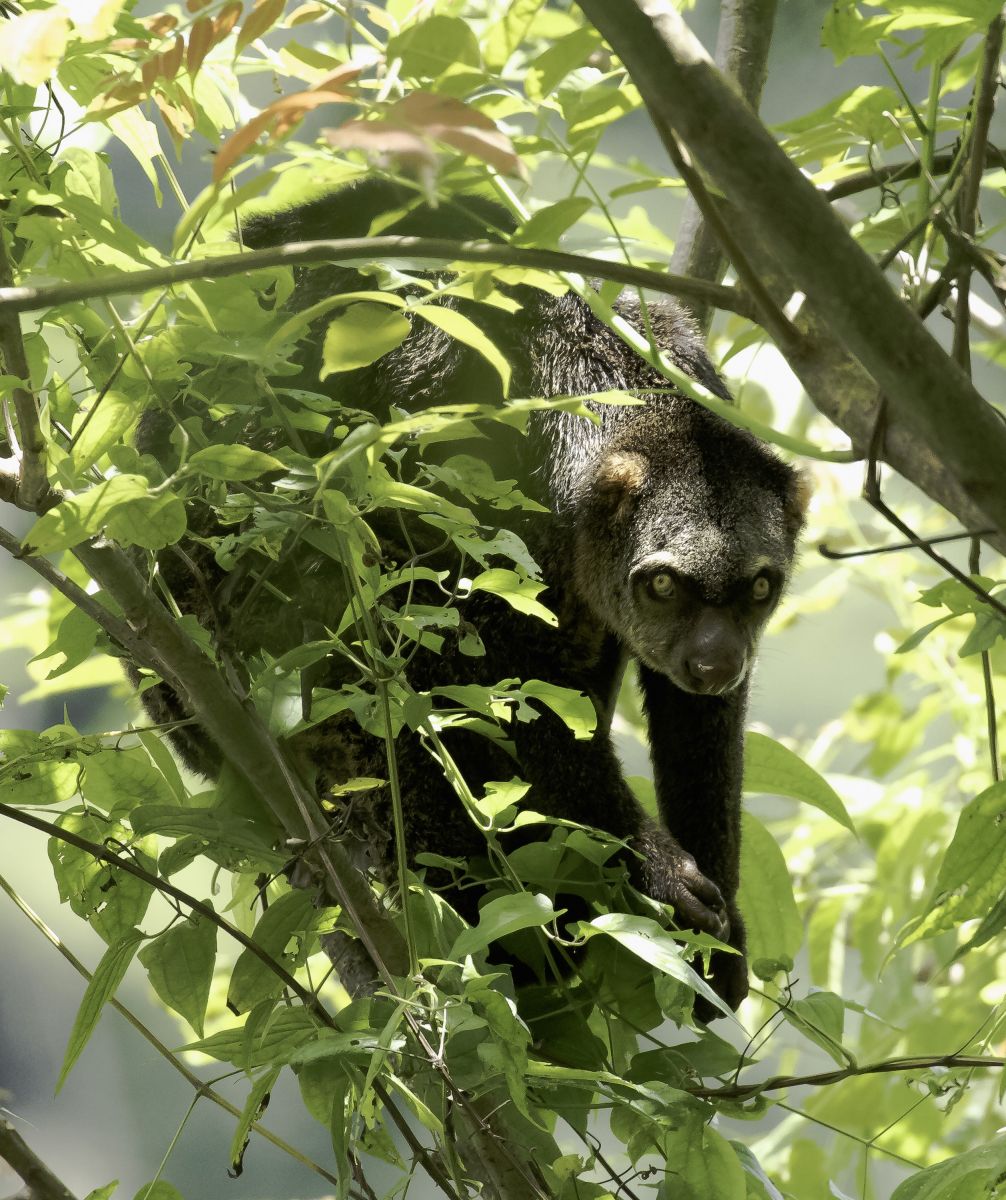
[179, 964]
[501, 916]
[101, 987]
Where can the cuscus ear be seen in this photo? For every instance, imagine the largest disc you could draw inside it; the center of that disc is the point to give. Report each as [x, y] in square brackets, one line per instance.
[620, 475]
[801, 489]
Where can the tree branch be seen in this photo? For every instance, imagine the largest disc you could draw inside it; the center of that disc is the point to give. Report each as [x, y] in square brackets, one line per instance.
[983, 110]
[120, 863]
[880, 176]
[928, 394]
[41, 1182]
[31, 486]
[345, 250]
[742, 46]
[744, 1091]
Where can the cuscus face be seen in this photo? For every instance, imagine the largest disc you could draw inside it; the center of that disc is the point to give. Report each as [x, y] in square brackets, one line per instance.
[703, 643]
[690, 570]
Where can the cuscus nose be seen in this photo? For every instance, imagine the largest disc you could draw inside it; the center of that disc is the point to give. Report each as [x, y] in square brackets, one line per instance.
[714, 673]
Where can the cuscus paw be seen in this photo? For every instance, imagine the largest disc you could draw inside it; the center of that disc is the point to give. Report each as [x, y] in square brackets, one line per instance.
[672, 876]
[698, 903]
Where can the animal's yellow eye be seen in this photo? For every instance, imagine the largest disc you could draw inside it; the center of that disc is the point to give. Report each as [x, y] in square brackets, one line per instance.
[760, 588]
[662, 585]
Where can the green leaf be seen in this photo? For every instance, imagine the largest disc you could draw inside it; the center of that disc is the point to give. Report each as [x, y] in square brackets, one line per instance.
[503, 38]
[920, 635]
[101, 987]
[149, 521]
[103, 1193]
[547, 225]
[972, 1175]
[433, 46]
[179, 964]
[233, 462]
[506, 914]
[359, 1044]
[759, 1186]
[285, 1030]
[771, 767]
[118, 780]
[258, 1098]
[123, 504]
[575, 708]
[160, 1189]
[112, 900]
[656, 946]
[287, 922]
[820, 1016]
[548, 70]
[500, 799]
[459, 327]
[75, 639]
[702, 1165]
[114, 416]
[213, 825]
[517, 591]
[765, 896]
[45, 782]
[972, 875]
[361, 335]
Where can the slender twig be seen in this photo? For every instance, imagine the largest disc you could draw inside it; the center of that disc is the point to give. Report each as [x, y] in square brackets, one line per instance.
[983, 110]
[884, 175]
[204, 1089]
[991, 719]
[743, 1091]
[389, 248]
[874, 497]
[770, 315]
[846, 1133]
[41, 1182]
[826, 551]
[126, 865]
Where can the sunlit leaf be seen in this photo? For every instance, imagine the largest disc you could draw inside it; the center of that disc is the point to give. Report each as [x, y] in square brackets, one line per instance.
[771, 767]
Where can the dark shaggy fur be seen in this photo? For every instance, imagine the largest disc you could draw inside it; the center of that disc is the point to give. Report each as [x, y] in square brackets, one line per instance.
[669, 539]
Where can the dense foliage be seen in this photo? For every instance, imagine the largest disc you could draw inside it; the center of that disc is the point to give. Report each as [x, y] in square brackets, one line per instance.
[866, 1059]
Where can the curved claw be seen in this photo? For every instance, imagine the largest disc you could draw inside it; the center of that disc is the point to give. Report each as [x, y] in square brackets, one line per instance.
[698, 902]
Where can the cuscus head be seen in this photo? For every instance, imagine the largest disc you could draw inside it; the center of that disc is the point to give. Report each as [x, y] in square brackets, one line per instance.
[684, 549]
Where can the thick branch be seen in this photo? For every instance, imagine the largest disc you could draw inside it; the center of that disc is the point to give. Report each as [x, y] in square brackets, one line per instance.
[384, 249]
[744, 1091]
[926, 392]
[41, 1182]
[742, 47]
